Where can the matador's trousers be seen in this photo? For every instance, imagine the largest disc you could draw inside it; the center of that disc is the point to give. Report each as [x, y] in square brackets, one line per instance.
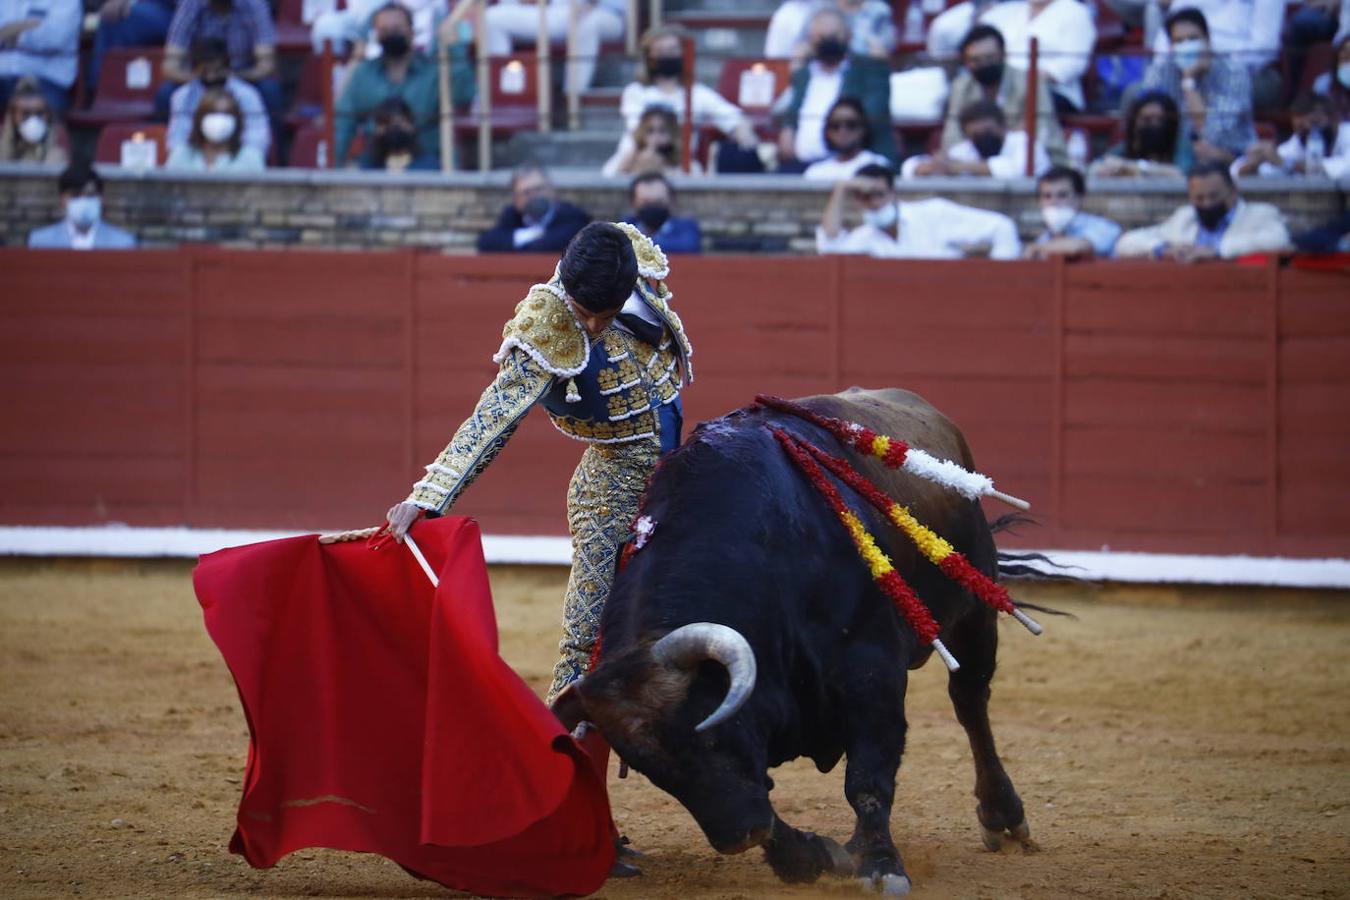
[602, 500]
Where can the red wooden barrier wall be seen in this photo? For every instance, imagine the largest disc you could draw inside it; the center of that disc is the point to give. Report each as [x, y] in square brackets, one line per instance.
[1141, 406]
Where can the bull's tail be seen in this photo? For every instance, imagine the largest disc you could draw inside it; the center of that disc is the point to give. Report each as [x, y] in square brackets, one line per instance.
[1029, 566]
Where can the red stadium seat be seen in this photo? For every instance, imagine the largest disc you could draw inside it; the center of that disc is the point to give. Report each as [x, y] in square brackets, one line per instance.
[513, 83]
[110, 139]
[309, 148]
[736, 83]
[127, 80]
[308, 103]
[292, 32]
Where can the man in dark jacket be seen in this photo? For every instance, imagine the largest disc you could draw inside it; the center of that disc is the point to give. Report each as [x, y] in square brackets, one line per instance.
[833, 73]
[535, 221]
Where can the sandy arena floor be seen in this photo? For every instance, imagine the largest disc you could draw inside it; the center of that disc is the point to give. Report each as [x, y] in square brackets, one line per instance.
[1166, 745]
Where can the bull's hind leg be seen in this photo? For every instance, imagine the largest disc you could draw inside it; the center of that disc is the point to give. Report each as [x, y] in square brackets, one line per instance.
[974, 642]
[874, 741]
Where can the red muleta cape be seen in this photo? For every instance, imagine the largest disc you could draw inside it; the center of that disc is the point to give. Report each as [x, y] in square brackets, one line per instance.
[381, 718]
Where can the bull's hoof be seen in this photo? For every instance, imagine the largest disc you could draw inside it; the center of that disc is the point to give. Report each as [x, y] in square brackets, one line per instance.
[887, 885]
[841, 863]
[995, 838]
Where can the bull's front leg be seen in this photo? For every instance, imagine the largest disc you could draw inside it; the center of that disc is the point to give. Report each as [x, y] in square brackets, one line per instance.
[799, 857]
[875, 740]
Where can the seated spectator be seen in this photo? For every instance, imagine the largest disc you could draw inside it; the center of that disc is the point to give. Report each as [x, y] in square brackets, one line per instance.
[535, 221]
[30, 131]
[250, 38]
[1318, 146]
[1217, 224]
[989, 148]
[1065, 36]
[393, 146]
[1070, 232]
[216, 143]
[922, 229]
[1335, 84]
[351, 26]
[211, 70]
[871, 22]
[985, 75]
[40, 40]
[510, 21]
[655, 146]
[846, 137]
[832, 74]
[126, 23]
[653, 201]
[1246, 33]
[1213, 92]
[660, 82]
[1330, 237]
[400, 71]
[82, 227]
[1152, 146]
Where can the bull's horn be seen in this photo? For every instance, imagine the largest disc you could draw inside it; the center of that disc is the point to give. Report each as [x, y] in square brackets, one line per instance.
[688, 645]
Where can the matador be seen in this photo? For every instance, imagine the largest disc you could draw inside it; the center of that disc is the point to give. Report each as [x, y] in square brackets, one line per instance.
[599, 347]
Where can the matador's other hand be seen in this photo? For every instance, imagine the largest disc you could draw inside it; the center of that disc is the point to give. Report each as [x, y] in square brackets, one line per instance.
[401, 517]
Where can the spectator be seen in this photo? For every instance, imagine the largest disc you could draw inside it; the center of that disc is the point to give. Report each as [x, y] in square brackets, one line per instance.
[653, 201]
[30, 131]
[1330, 237]
[211, 70]
[846, 137]
[126, 23]
[1213, 93]
[1069, 232]
[1335, 84]
[1065, 39]
[871, 22]
[1318, 146]
[1152, 146]
[509, 21]
[400, 71]
[985, 75]
[832, 74]
[1217, 224]
[989, 149]
[83, 227]
[351, 26]
[40, 40]
[250, 39]
[215, 143]
[394, 146]
[922, 229]
[1245, 32]
[535, 221]
[655, 146]
[660, 82]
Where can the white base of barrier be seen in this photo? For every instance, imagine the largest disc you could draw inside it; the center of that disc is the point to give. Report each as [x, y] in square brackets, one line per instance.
[1143, 568]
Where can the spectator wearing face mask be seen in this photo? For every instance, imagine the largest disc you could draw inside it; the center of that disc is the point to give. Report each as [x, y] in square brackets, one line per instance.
[216, 141]
[1213, 92]
[40, 39]
[655, 146]
[250, 39]
[1070, 232]
[399, 71]
[653, 201]
[30, 132]
[393, 146]
[83, 227]
[988, 148]
[986, 75]
[846, 137]
[535, 221]
[1065, 36]
[1217, 224]
[831, 74]
[871, 22]
[1318, 146]
[1335, 85]
[1246, 33]
[922, 229]
[1152, 147]
[211, 71]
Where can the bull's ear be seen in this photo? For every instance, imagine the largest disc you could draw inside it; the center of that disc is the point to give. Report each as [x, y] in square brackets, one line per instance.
[569, 706]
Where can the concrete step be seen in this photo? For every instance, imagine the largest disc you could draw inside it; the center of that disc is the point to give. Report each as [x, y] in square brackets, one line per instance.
[567, 149]
[724, 33]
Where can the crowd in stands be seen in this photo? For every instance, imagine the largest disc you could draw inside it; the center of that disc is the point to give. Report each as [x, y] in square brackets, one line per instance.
[1232, 90]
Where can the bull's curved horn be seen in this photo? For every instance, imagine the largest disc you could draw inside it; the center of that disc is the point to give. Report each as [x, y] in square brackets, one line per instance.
[688, 645]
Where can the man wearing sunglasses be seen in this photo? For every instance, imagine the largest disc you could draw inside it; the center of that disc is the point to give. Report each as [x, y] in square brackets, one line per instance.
[922, 229]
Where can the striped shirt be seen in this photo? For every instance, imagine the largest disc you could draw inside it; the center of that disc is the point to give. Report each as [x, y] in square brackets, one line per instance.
[246, 24]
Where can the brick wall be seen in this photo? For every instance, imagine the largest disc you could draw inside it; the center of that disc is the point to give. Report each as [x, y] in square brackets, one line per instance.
[284, 207]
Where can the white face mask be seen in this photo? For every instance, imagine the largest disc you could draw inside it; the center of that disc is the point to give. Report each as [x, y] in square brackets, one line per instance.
[880, 218]
[1057, 218]
[218, 127]
[1188, 52]
[33, 129]
[84, 212]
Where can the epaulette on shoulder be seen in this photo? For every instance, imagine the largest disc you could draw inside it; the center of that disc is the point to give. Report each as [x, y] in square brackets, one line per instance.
[651, 260]
[545, 328]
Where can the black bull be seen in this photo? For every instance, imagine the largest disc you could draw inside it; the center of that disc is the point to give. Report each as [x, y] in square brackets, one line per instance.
[744, 540]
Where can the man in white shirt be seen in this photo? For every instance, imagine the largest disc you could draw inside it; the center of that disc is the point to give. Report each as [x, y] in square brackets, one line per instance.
[922, 229]
[1318, 146]
[988, 148]
[1065, 37]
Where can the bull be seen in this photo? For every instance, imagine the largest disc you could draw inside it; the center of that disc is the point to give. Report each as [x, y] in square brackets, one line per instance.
[747, 633]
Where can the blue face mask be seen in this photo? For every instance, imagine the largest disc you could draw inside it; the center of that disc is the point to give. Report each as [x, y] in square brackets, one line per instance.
[1188, 52]
[84, 212]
